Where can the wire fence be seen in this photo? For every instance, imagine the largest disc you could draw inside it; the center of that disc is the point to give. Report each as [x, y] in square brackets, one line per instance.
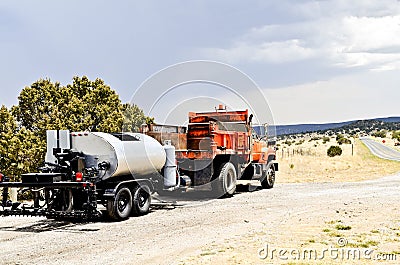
[290, 152]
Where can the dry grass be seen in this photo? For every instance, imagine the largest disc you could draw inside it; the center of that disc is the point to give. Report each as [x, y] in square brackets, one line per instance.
[363, 223]
[315, 166]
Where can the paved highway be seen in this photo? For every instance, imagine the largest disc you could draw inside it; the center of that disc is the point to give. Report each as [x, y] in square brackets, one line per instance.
[381, 150]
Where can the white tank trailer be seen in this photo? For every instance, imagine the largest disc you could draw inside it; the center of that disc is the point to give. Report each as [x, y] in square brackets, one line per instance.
[83, 170]
[133, 154]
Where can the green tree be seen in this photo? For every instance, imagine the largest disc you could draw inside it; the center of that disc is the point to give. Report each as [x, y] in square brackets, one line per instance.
[83, 105]
[20, 150]
[100, 108]
[31, 152]
[149, 120]
[133, 118]
[9, 144]
[36, 105]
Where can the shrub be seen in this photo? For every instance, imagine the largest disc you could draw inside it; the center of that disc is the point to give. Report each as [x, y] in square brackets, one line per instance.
[289, 143]
[380, 134]
[342, 227]
[344, 141]
[339, 136]
[334, 151]
[396, 135]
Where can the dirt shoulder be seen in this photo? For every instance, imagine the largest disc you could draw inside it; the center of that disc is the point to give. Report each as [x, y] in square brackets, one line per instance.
[308, 162]
[351, 223]
[223, 231]
[319, 204]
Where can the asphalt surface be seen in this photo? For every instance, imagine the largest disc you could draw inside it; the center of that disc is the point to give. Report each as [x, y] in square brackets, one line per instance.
[381, 150]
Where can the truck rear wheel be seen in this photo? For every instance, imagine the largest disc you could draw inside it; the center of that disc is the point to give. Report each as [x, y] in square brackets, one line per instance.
[121, 207]
[141, 200]
[225, 183]
[269, 180]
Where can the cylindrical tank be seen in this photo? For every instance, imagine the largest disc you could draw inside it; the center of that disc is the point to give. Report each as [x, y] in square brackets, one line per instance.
[128, 153]
[170, 165]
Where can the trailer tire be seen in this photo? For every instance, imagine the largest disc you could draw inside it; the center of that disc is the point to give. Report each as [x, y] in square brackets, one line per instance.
[225, 183]
[121, 206]
[61, 200]
[269, 180]
[141, 200]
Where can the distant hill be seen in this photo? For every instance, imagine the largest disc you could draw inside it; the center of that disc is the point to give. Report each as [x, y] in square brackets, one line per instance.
[302, 128]
[369, 126]
[390, 123]
[390, 119]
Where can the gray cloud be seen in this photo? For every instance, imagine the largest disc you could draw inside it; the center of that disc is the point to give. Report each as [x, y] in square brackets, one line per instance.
[279, 44]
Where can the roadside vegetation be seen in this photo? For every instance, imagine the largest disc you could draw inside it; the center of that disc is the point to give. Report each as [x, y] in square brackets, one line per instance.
[334, 151]
[83, 105]
[328, 157]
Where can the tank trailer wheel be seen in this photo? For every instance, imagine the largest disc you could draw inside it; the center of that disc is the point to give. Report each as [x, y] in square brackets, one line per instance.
[269, 180]
[141, 200]
[225, 183]
[121, 207]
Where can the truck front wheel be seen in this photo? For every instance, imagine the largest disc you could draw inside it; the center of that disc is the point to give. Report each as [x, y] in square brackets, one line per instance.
[269, 180]
[121, 207]
[225, 183]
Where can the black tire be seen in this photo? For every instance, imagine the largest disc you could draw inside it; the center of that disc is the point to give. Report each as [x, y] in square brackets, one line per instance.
[225, 183]
[269, 180]
[61, 200]
[141, 200]
[120, 208]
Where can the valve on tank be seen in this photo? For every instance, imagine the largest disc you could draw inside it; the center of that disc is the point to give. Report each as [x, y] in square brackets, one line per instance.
[104, 165]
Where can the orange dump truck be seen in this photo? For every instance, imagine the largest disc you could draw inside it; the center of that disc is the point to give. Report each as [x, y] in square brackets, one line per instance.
[220, 149]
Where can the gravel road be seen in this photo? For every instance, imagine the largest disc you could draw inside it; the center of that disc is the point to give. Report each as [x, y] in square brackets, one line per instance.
[172, 234]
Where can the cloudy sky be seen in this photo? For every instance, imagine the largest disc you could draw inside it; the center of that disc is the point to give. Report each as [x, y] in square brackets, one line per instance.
[315, 61]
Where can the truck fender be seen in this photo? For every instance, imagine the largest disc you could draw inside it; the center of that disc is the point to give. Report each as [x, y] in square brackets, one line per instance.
[110, 193]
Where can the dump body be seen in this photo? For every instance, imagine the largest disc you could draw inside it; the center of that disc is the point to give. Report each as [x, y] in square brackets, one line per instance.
[175, 134]
[213, 133]
[213, 139]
